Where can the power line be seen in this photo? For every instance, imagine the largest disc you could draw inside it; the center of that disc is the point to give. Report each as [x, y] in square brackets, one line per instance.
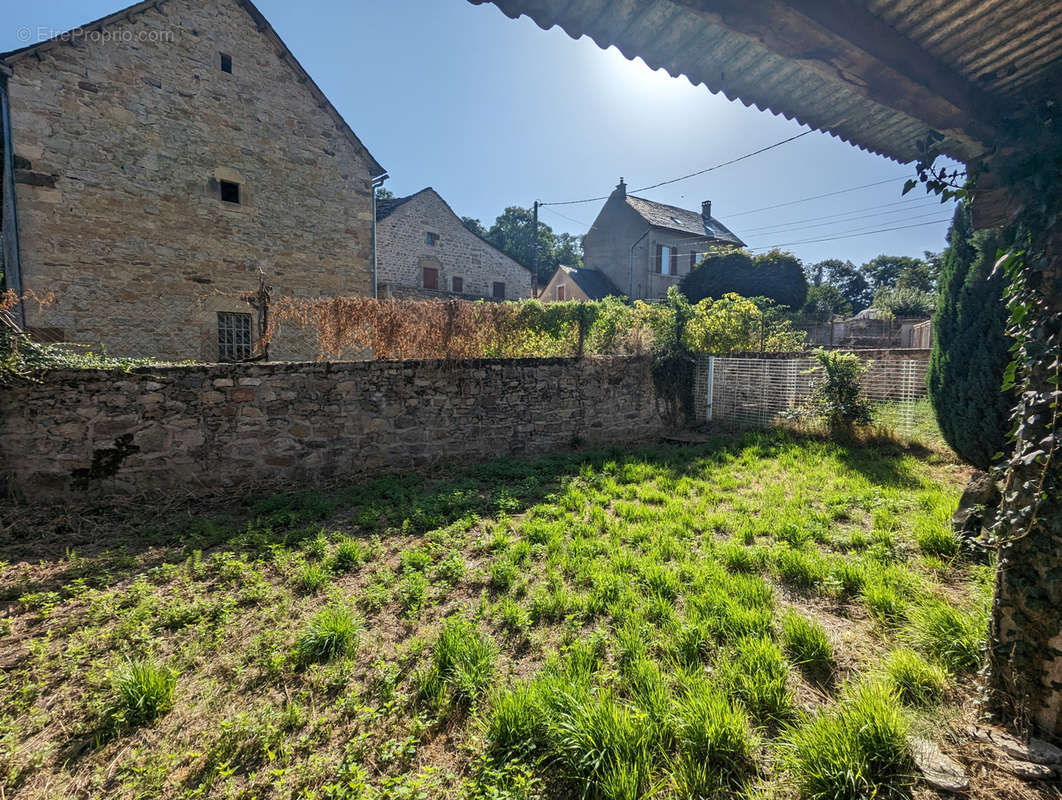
[908, 202]
[817, 196]
[772, 230]
[852, 235]
[570, 219]
[684, 177]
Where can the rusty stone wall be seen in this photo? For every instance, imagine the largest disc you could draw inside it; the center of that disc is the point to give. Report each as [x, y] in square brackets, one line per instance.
[403, 251]
[199, 428]
[121, 144]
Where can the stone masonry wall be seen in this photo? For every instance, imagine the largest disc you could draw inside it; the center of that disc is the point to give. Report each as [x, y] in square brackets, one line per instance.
[402, 252]
[120, 145]
[201, 428]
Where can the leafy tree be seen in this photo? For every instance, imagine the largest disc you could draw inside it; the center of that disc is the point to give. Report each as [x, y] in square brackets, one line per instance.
[384, 194]
[847, 278]
[904, 301]
[567, 251]
[826, 300]
[970, 347]
[475, 226]
[885, 271]
[775, 275]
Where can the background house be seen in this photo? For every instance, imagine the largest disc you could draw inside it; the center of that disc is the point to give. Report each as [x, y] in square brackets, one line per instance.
[423, 250]
[157, 173]
[578, 283]
[645, 247]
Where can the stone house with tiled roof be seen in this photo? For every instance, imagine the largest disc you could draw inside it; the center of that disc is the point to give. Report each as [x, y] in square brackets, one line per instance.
[644, 247]
[423, 250]
[161, 161]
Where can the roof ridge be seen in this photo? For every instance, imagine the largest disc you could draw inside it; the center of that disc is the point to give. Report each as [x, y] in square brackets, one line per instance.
[261, 23]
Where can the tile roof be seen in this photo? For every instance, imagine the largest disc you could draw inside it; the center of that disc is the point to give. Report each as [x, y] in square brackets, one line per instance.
[593, 282]
[385, 208]
[661, 215]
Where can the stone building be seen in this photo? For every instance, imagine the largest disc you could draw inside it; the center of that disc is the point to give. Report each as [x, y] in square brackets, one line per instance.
[578, 283]
[423, 250]
[163, 161]
[645, 247]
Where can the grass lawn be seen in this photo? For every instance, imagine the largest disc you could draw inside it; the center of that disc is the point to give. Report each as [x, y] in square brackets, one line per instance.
[757, 616]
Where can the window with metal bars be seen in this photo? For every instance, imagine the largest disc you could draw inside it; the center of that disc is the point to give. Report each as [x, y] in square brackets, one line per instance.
[234, 336]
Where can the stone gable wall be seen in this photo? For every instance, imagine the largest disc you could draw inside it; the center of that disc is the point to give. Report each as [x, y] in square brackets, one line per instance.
[121, 144]
[201, 428]
[402, 250]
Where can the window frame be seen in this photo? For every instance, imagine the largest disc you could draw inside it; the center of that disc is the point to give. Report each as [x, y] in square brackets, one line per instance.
[235, 336]
[431, 239]
[494, 290]
[560, 292]
[434, 271]
[457, 284]
[226, 62]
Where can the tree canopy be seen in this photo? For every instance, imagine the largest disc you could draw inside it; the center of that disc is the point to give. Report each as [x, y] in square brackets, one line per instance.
[776, 275]
[511, 233]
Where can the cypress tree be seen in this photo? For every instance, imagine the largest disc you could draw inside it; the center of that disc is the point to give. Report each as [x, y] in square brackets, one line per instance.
[970, 345]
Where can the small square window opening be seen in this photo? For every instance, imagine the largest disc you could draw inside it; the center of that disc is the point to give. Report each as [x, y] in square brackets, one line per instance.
[457, 285]
[234, 336]
[432, 239]
[226, 63]
[499, 290]
[230, 191]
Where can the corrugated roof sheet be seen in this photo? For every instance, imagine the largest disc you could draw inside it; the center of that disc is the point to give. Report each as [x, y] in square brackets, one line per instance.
[661, 215]
[1003, 47]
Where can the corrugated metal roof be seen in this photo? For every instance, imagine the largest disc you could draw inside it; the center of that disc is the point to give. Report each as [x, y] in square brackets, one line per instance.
[1001, 47]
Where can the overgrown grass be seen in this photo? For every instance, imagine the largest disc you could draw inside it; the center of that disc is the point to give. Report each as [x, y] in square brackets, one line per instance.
[606, 625]
[143, 692]
[856, 750]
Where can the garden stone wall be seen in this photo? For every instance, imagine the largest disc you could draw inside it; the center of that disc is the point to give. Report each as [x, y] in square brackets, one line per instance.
[197, 429]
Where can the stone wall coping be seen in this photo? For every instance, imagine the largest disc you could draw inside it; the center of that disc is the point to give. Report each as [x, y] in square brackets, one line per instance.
[261, 368]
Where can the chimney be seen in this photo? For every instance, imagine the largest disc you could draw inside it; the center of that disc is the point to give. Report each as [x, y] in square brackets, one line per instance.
[621, 187]
[706, 211]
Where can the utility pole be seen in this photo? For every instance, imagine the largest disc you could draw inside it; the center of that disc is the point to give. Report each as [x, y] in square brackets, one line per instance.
[534, 253]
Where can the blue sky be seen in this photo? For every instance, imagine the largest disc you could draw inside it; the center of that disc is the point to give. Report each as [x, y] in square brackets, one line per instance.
[495, 112]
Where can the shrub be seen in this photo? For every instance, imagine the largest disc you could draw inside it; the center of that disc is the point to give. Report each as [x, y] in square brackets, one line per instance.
[971, 349]
[915, 680]
[805, 641]
[412, 590]
[333, 632]
[856, 750]
[775, 275]
[838, 395]
[952, 637]
[144, 692]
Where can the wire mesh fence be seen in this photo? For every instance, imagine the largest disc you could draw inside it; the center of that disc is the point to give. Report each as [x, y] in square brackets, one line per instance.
[742, 392]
